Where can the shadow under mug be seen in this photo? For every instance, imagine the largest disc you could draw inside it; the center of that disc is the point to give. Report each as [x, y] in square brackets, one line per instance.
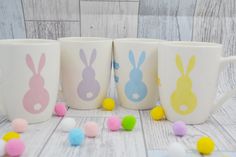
[29, 78]
[85, 70]
[188, 73]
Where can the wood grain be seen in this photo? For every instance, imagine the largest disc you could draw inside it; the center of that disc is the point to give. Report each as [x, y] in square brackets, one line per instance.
[52, 30]
[11, 19]
[115, 144]
[167, 7]
[51, 10]
[109, 19]
[168, 20]
[159, 135]
[35, 137]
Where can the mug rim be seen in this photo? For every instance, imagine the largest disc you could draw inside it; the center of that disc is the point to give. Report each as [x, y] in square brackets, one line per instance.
[84, 39]
[28, 42]
[190, 44]
[138, 40]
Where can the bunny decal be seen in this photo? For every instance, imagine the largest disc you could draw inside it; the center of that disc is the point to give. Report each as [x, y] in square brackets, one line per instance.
[89, 87]
[183, 100]
[36, 98]
[135, 88]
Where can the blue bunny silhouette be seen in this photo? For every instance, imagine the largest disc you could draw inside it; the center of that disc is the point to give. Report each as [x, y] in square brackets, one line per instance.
[135, 88]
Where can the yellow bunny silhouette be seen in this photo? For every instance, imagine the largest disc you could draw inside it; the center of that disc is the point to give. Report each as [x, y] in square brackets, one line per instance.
[183, 100]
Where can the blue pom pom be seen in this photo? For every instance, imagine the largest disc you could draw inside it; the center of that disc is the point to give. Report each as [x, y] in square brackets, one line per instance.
[76, 137]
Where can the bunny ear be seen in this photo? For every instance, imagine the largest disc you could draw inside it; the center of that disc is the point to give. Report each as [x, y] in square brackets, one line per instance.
[131, 58]
[191, 64]
[179, 64]
[41, 63]
[141, 59]
[93, 57]
[83, 57]
[30, 63]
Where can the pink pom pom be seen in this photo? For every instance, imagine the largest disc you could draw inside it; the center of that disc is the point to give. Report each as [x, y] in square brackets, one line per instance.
[179, 128]
[60, 109]
[15, 147]
[114, 123]
[91, 129]
[19, 125]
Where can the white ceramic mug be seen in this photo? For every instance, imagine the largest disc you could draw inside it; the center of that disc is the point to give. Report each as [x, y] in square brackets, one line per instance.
[29, 78]
[135, 73]
[188, 73]
[86, 68]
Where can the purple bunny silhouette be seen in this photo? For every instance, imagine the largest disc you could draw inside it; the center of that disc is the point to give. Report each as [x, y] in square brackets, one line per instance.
[89, 87]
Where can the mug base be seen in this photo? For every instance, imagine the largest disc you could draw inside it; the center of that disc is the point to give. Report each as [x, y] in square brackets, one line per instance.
[34, 121]
[188, 121]
[85, 108]
[137, 108]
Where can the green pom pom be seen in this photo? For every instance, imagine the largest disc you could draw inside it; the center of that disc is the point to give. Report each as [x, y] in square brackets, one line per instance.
[128, 122]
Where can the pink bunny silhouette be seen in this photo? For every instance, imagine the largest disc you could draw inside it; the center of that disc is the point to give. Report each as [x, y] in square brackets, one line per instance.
[36, 98]
[89, 87]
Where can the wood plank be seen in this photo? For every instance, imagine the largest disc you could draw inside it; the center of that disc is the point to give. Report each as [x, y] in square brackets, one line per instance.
[52, 30]
[166, 19]
[159, 135]
[11, 19]
[36, 135]
[226, 117]
[51, 10]
[107, 143]
[109, 19]
[162, 153]
[226, 114]
[167, 7]
[165, 27]
[214, 8]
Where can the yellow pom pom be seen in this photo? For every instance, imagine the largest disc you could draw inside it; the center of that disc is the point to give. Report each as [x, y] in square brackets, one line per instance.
[108, 104]
[10, 135]
[157, 113]
[205, 145]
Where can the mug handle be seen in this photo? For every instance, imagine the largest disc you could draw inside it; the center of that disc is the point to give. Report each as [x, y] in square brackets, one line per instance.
[2, 109]
[223, 62]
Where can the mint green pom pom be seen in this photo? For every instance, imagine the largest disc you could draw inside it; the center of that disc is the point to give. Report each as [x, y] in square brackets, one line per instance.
[128, 122]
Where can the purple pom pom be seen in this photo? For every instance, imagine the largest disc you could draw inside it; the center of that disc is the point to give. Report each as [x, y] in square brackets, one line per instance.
[179, 128]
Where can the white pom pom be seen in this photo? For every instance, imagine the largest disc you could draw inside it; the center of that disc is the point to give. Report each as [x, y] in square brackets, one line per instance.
[67, 124]
[176, 150]
[2, 147]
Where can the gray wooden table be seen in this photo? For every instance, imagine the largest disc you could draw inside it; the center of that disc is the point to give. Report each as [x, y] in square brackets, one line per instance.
[149, 138]
[194, 20]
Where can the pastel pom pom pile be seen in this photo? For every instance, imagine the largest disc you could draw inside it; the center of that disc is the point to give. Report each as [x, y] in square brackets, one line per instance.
[205, 145]
[114, 123]
[76, 137]
[91, 129]
[176, 150]
[2, 147]
[15, 147]
[19, 125]
[60, 109]
[179, 128]
[67, 124]
[108, 104]
[128, 122]
[157, 113]
[11, 135]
